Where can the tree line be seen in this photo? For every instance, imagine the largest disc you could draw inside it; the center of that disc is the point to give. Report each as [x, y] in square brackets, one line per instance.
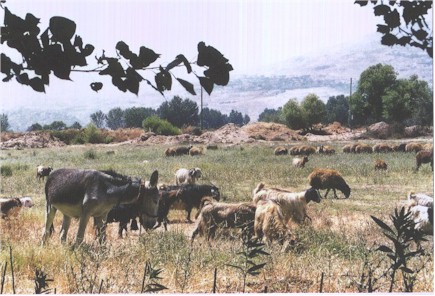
[380, 96]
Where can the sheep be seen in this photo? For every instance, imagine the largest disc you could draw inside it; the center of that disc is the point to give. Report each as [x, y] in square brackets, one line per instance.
[42, 172]
[419, 199]
[168, 196]
[170, 151]
[302, 150]
[182, 150]
[325, 150]
[399, 147]
[185, 176]
[280, 150]
[363, 148]
[424, 156]
[300, 162]
[413, 147]
[380, 164]
[214, 215]
[329, 179]
[11, 207]
[428, 146]
[194, 151]
[350, 148]
[423, 218]
[277, 207]
[382, 148]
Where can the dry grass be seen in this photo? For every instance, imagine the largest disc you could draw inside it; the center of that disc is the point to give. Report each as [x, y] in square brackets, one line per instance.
[335, 244]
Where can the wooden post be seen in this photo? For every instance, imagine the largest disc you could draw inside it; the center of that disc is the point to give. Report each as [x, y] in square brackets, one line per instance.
[214, 280]
[3, 277]
[321, 283]
[12, 270]
[200, 114]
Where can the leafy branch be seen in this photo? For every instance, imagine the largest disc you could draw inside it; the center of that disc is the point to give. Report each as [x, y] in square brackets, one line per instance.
[59, 50]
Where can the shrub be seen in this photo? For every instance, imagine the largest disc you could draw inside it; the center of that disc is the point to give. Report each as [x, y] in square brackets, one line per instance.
[90, 154]
[93, 135]
[160, 126]
[6, 170]
[67, 136]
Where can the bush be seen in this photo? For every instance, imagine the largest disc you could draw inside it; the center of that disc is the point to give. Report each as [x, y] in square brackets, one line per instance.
[6, 170]
[160, 126]
[90, 154]
[93, 135]
[67, 136]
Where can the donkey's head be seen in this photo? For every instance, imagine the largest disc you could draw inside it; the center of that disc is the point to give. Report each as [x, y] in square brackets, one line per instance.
[149, 201]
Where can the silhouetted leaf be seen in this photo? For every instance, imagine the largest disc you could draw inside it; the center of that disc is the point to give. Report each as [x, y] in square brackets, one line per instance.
[219, 74]
[392, 19]
[147, 56]
[430, 51]
[383, 29]
[37, 84]
[163, 80]
[207, 84]
[185, 62]
[381, 9]
[384, 249]
[406, 269]
[96, 86]
[389, 39]
[382, 224]
[420, 34]
[63, 29]
[404, 40]
[187, 86]
[362, 3]
[113, 69]
[45, 40]
[124, 50]
[255, 268]
[23, 79]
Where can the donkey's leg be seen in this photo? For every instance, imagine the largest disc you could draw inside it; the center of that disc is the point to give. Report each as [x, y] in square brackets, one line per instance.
[101, 228]
[84, 219]
[65, 226]
[49, 217]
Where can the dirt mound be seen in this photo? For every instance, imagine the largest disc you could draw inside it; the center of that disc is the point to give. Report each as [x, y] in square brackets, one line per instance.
[29, 140]
[270, 131]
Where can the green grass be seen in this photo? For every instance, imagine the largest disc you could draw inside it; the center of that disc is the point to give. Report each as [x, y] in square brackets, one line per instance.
[335, 243]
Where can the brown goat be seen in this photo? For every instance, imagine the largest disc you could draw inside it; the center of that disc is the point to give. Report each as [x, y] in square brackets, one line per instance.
[214, 215]
[424, 156]
[380, 164]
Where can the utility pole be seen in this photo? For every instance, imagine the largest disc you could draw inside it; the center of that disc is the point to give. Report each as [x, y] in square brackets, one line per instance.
[349, 117]
[200, 114]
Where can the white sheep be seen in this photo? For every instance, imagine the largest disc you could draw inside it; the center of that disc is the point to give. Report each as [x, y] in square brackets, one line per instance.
[42, 171]
[423, 218]
[300, 162]
[185, 176]
[420, 199]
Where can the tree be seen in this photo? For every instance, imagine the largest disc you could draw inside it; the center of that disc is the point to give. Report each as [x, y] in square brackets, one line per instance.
[98, 119]
[76, 125]
[134, 116]
[115, 118]
[34, 127]
[179, 112]
[55, 126]
[213, 118]
[4, 123]
[58, 51]
[373, 83]
[405, 23]
[294, 116]
[337, 109]
[235, 117]
[271, 115]
[314, 108]
[246, 119]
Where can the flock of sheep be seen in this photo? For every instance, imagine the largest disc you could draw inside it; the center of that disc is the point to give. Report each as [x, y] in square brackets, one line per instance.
[272, 212]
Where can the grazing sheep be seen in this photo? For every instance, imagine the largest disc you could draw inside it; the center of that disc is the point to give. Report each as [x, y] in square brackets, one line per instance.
[399, 147]
[10, 207]
[185, 176]
[302, 150]
[424, 156]
[350, 148]
[170, 151]
[363, 148]
[325, 150]
[413, 147]
[280, 150]
[42, 171]
[276, 207]
[300, 162]
[382, 148]
[194, 151]
[182, 150]
[214, 215]
[423, 218]
[380, 164]
[168, 197]
[419, 199]
[190, 196]
[329, 179]
[428, 146]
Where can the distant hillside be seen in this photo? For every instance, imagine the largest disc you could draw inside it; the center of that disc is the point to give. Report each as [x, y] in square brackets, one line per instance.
[326, 75]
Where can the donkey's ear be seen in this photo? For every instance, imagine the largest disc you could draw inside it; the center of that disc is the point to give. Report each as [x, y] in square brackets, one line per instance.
[154, 178]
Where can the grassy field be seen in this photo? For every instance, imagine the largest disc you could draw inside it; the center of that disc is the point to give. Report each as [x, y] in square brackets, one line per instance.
[335, 246]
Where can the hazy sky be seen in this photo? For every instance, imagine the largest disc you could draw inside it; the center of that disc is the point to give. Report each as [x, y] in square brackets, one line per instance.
[251, 34]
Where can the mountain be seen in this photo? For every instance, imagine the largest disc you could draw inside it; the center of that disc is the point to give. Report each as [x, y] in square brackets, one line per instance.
[327, 74]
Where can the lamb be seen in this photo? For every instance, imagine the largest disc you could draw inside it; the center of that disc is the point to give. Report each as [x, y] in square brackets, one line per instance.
[276, 207]
[185, 176]
[194, 151]
[300, 162]
[424, 156]
[419, 199]
[214, 215]
[42, 171]
[280, 150]
[11, 207]
[380, 164]
[329, 179]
